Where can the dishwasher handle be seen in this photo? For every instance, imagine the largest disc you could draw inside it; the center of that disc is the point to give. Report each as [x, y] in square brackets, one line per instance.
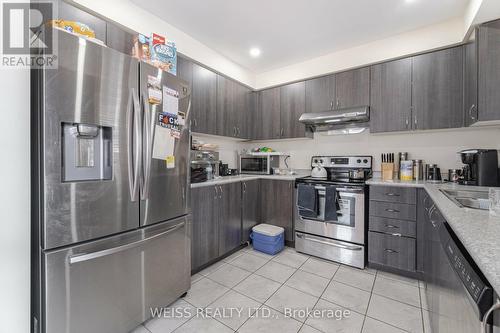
[484, 323]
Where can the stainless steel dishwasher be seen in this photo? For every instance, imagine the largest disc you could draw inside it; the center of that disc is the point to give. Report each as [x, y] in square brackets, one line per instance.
[459, 294]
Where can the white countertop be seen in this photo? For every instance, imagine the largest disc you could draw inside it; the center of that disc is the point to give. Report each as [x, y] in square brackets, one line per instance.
[477, 230]
[244, 177]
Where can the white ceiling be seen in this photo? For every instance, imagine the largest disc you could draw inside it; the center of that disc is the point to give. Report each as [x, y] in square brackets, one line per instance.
[290, 31]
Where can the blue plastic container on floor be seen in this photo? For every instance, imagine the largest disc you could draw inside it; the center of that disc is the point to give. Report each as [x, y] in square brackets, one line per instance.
[268, 238]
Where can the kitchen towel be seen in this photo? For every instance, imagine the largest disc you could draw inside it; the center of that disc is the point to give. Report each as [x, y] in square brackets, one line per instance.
[307, 201]
[331, 204]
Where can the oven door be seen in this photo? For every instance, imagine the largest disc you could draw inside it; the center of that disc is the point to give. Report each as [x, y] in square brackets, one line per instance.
[254, 164]
[350, 223]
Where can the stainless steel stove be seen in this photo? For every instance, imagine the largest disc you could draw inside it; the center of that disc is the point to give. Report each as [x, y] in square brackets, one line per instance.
[330, 212]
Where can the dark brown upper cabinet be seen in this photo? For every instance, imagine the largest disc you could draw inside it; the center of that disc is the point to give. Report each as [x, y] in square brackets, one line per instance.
[438, 89]
[204, 101]
[292, 106]
[352, 88]
[489, 72]
[320, 94]
[269, 114]
[390, 96]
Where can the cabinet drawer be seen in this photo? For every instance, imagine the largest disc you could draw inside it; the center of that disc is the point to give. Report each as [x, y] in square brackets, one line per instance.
[393, 226]
[393, 210]
[394, 194]
[392, 251]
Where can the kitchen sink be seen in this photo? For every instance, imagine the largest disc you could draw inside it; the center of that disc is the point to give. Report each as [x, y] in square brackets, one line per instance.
[469, 198]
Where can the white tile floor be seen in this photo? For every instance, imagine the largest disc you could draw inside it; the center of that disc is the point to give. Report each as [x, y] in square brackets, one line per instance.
[262, 287]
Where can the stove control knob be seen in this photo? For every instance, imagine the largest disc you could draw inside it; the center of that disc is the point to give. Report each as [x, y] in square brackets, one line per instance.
[315, 161]
[321, 161]
[358, 161]
[365, 161]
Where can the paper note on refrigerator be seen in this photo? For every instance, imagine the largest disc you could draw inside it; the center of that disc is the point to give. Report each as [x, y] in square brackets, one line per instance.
[163, 144]
[170, 100]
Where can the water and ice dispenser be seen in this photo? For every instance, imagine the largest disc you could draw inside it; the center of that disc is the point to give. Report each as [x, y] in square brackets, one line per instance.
[87, 152]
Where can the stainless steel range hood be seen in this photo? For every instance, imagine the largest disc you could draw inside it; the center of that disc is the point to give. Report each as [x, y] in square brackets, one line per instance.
[356, 117]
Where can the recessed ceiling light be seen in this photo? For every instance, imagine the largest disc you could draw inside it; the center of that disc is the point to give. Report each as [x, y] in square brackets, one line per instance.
[255, 52]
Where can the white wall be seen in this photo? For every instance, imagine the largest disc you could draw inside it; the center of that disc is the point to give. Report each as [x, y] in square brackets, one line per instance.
[128, 14]
[424, 39]
[15, 201]
[439, 147]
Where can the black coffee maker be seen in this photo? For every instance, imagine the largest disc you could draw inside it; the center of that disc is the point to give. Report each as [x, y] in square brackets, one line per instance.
[481, 167]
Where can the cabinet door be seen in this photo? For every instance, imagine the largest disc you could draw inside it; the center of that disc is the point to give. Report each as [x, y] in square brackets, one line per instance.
[277, 204]
[229, 217]
[203, 101]
[185, 69]
[320, 94]
[242, 111]
[251, 116]
[421, 220]
[489, 72]
[470, 83]
[250, 207]
[204, 233]
[438, 89]
[292, 106]
[226, 90]
[390, 96]
[269, 114]
[352, 88]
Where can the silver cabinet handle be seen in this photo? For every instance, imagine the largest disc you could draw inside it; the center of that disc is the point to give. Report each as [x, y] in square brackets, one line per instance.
[390, 251]
[338, 103]
[331, 105]
[195, 123]
[415, 122]
[221, 192]
[134, 144]
[244, 187]
[239, 132]
[396, 234]
[390, 210]
[342, 246]
[148, 134]
[121, 248]
[392, 194]
[216, 192]
[473, 106]
[407, 122]
[282, 131]
[484, 323]
[390, 226]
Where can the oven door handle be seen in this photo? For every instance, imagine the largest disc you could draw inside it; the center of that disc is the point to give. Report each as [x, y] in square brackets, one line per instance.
[342, 246]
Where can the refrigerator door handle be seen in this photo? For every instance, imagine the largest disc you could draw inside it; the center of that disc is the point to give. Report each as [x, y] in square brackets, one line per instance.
[147, 140]
[133, 145]
[106, 252]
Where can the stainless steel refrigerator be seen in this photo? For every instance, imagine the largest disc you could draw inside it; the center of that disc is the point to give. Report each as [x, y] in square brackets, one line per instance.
[110, 215]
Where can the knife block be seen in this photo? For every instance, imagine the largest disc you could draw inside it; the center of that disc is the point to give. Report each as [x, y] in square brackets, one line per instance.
[387, 171]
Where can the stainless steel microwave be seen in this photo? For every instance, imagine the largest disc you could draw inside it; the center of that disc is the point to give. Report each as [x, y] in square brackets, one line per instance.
[258, 164]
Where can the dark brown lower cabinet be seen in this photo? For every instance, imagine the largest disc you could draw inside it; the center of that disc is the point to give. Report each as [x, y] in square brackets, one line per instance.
[392, 251]
[393, 229]
[216, 228]
[250, 209]
[229, 217]
[277, 199]
[205, 231]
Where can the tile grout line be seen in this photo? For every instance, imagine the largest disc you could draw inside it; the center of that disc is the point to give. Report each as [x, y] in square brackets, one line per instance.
[232, 288]
[369, 301]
